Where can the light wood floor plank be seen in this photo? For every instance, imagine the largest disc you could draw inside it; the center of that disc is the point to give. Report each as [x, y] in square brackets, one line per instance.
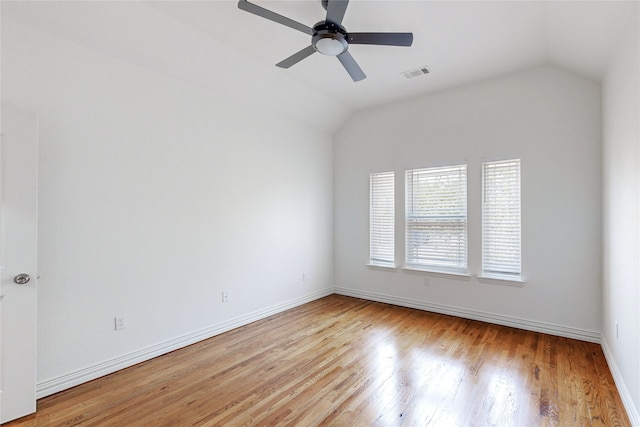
[341, 361]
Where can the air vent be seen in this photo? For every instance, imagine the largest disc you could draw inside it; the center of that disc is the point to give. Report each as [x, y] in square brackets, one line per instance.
[416, 73]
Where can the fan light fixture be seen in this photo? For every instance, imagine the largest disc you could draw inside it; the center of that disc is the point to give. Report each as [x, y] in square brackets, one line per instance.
[329, 39]
[330, 46]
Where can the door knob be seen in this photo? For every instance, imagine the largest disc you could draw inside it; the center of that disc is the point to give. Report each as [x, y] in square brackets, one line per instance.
[22, 279]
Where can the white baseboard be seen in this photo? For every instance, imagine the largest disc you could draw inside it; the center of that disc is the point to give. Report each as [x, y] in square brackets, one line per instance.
[632, 411]
[515, 322]
[63, 382]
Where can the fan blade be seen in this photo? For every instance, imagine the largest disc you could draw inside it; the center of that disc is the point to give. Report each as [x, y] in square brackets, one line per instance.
[272, 16]
[336, 10]
[296, 57]
[388, 39]
[351, 66]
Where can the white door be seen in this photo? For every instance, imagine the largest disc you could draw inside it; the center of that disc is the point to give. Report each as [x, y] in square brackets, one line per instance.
[18, 274]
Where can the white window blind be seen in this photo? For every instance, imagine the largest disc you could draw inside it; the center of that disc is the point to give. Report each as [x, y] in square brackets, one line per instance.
[501, 218]
[382, 219]
[436, 218]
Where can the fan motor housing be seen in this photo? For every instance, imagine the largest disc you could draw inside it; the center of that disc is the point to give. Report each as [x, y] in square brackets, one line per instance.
[329, 38]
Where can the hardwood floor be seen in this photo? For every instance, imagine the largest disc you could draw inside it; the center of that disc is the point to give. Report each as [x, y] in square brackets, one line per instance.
[348, 362]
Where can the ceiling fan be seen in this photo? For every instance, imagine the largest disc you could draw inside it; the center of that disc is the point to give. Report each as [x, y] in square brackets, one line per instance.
[329, 37]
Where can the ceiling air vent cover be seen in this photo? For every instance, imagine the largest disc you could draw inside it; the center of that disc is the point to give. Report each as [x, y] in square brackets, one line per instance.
[416, 73]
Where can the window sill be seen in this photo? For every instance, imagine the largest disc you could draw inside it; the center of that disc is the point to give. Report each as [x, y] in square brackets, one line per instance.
[502, 280]
[381, 267]
[441, 273]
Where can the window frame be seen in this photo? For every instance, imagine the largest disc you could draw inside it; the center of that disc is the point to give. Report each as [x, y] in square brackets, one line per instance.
[386, 220]
[436, 223]
[501, 265]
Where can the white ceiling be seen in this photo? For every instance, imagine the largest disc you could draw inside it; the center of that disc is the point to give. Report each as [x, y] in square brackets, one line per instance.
[215, 46]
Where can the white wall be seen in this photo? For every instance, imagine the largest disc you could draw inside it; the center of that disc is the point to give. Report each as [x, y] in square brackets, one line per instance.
[550, 119]
[621, 194]
[154, 198]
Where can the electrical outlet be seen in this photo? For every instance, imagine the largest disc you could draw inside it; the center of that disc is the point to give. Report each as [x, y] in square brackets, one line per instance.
[427, 281]
[225, 296]
[305, 277]
[120, 322]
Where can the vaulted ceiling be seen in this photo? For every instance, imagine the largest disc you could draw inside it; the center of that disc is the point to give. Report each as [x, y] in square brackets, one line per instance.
[231, 53]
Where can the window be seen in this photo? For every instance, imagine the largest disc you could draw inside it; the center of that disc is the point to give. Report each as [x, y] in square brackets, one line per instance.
[501, 219]
[381, 219]
[436, 219]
